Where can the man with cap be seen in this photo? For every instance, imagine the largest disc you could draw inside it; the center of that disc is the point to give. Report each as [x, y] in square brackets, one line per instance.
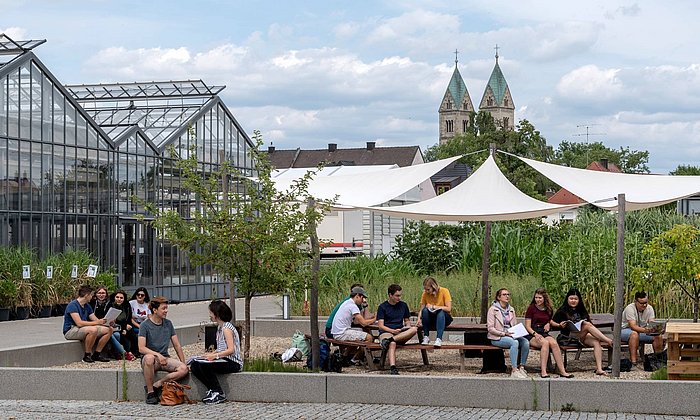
[349, 313]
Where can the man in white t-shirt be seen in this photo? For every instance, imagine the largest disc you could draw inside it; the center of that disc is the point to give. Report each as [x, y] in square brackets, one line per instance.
[349, 313]
[635, 326]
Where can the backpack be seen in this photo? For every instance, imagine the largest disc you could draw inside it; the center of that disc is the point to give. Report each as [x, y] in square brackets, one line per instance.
[302, 342]
[655, 361]
[328, 362]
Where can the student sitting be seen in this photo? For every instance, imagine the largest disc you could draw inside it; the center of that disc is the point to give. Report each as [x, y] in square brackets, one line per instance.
[80, 323]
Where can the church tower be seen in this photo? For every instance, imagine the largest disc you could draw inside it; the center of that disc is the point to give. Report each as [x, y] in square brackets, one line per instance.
[497, 100]
[456, 107]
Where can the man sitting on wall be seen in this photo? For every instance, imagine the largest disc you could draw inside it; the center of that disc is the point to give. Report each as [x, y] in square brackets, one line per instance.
[347, 314]
[80, 323]
[155, 335]
[393, 319]
[635, 326]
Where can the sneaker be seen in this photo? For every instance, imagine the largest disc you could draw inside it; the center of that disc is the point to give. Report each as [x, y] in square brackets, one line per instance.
[214, 398]
[394, 371]
[515, 373]
[88, 359]
[209, 392]
[426, 341]
[523, 371]
[385, 343]
[129, 356]
[438, 342]
[98, 357]
[152, 398]
[355, 362]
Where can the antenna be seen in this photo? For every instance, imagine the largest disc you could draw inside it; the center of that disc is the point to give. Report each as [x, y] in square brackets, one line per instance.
[587, 134]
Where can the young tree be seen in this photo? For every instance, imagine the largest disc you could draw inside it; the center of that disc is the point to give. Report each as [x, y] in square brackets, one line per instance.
[674, 257]
[244, 228]
[686, 170]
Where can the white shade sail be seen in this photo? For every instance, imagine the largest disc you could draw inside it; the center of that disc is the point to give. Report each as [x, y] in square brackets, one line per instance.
[601, 188]
[370, 188]
[485, 195]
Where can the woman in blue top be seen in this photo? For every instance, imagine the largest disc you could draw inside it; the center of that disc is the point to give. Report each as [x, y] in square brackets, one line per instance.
[226, 359]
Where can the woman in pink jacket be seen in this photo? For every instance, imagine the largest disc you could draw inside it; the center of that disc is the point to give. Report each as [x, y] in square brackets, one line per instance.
[500, 317]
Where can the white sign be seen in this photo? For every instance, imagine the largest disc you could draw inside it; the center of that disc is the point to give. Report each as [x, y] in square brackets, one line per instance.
[49, 271]
[74, 272]
[26, 272]
[92, 271]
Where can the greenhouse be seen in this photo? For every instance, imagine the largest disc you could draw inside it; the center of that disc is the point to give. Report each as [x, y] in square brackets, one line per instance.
[78, 162]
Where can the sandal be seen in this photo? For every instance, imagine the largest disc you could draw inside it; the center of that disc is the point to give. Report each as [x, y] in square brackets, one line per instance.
[544, 376]
[567, 376]
[601, 373]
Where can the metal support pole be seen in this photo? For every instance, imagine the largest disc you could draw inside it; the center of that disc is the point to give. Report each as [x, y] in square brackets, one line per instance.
[619, 284]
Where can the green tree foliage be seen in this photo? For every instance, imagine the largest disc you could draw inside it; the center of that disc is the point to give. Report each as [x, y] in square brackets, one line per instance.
[686, 170]
[253, 233]
[524, 141]
[580, 155]
[674, 257]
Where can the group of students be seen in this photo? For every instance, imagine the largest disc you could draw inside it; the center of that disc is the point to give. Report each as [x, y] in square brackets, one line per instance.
[540, 320]
[145, 319]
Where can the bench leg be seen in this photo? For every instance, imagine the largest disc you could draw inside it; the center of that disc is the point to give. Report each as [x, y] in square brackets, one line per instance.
[461, 360]
[423, 353]
[369, 360]
[564, 352]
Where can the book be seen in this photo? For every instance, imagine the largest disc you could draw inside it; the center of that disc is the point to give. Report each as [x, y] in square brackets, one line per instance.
[202, 359]
[574, 326]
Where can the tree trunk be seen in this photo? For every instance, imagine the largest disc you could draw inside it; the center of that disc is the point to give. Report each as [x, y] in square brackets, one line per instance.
[232, 299]
[313, 313]
[696, 303]
[246, 329]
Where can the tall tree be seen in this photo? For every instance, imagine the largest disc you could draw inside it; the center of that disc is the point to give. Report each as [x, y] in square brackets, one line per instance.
[244, 228]
[686, 170]
[580, 155]
[524, 141]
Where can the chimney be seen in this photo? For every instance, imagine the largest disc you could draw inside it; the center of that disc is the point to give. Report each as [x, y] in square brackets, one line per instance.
[332, 147]
[270, 149]
[604, 163]
[370, 145]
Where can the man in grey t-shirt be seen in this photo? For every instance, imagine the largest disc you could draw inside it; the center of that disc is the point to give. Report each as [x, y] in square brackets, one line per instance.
[635, 326]
[155, 335]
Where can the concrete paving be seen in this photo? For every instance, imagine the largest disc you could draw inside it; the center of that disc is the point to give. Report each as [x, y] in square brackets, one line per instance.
[236, 410]
[46, 331]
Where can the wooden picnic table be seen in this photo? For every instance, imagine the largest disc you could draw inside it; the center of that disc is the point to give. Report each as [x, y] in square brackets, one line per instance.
[683, 350]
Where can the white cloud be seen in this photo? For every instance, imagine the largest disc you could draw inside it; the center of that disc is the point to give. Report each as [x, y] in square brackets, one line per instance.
[590, 83]
[16, 33]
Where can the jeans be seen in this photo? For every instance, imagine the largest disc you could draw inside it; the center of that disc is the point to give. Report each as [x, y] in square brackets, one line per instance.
[515, 346]
[438, 320]
[116, 344]
[643, 338]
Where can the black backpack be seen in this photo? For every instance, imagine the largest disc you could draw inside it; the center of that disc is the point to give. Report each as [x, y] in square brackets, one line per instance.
[328, 362]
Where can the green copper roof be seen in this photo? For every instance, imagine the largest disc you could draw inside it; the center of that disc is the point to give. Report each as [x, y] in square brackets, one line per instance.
[498, 84]
[457, 87]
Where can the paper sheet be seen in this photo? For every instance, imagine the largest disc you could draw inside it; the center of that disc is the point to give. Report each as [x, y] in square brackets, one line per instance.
[112, 315]
[518, 331]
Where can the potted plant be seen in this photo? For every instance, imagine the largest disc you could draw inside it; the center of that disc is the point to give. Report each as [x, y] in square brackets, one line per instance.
[8, 296]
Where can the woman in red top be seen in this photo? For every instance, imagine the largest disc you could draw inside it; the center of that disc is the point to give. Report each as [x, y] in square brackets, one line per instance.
[538, 322]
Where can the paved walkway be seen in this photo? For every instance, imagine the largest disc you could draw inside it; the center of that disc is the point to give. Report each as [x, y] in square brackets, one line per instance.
[43, 331]
[233, 410]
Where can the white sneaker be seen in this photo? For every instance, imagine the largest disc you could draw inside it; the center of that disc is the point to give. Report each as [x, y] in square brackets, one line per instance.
[438, 343]
[523, 372]
[515, 373]
[426, 340]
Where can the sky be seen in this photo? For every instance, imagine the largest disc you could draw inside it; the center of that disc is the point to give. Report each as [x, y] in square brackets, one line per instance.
[308, 73]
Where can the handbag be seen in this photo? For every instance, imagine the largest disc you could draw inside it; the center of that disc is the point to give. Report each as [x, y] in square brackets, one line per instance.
[173, 393]
[568, 341]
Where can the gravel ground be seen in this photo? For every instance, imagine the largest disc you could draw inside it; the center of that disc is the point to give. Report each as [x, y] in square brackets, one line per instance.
[442, 362]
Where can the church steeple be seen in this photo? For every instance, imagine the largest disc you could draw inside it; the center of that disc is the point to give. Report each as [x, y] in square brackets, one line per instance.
[497, 100]
[456, 107]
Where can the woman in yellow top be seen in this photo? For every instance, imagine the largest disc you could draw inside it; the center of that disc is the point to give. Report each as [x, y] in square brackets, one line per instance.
[435, 308]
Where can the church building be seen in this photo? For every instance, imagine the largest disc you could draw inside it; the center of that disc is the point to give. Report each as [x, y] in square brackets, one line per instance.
[456, 107]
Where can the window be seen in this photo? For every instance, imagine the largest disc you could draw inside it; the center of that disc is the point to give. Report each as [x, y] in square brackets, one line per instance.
[441, 188]
[505, 102]
[489, 101]
[450, 126]
[505, 122]
[448, 105]
[465, 125]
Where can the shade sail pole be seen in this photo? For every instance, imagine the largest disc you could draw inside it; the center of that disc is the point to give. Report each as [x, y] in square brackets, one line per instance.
[486, 261]
[619, 284]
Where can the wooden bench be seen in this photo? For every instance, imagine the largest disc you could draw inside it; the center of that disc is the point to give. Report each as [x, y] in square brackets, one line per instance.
[369, 347]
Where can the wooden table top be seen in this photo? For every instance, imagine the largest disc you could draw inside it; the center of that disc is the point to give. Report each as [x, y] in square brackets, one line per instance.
[683, 327]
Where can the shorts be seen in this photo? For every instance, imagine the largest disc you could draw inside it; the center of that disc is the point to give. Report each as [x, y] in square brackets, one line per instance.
[643, 338]
[79, 333]
[170, 366]
[351, 335]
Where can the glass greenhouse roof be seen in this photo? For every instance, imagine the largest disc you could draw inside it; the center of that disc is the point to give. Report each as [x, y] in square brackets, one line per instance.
[159, 108]
[10, 49]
